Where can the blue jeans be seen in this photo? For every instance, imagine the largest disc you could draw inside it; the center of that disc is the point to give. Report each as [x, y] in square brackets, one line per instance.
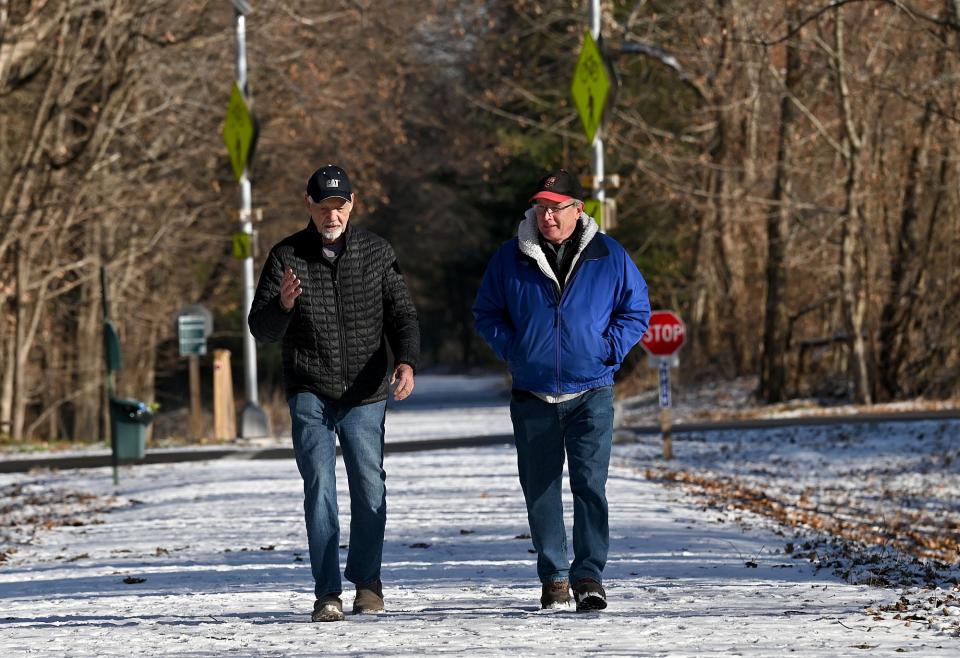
[582, 430]
[316, 425]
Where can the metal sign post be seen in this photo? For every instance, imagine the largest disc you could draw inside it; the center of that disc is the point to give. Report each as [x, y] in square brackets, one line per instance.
[239, 135]
[598, 191]
[589, 89]
[194, 324]
[664, 336]
[665, 419]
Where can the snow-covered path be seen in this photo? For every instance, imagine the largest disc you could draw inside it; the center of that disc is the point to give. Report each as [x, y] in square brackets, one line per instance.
[221, 549]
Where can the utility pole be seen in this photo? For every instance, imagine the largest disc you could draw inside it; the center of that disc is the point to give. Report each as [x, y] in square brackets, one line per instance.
[597, 191]
[253, 421]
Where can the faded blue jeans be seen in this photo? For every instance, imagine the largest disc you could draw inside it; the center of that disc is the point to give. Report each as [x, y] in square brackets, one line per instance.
[317, 423]
[582, 431]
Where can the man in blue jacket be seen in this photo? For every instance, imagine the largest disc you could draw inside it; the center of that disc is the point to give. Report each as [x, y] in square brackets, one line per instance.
[563, 304]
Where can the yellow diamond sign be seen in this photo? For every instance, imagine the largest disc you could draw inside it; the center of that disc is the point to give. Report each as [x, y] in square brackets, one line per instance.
[238, 131]
[590, 86]
[594, 209]
[241, 246]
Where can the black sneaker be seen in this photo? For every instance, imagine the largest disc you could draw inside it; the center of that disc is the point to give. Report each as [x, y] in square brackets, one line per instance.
[369, 598]
[327, 608]
[555, 594]
[589, 595]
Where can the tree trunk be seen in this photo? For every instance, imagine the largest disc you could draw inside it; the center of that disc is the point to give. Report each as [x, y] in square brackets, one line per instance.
[773, 373]
[89, 370]
[705, 321]
[19, 351]
[8, 352]
[89, 344]
[717, 320]
[905, 268]
[852, 268]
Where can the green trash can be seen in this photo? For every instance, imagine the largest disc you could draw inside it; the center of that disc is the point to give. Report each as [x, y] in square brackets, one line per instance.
[128, 422]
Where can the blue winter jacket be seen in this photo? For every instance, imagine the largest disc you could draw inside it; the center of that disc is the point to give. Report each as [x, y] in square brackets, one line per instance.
[562, 343]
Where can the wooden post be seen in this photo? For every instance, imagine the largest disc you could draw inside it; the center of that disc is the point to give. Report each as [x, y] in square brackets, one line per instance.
[196, 419]
[224, 414]
[665, 421]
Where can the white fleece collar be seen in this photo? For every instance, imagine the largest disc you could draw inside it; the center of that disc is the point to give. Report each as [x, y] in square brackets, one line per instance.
[528, 233]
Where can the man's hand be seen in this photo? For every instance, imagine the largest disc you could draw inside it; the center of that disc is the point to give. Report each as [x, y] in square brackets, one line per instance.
[290, 289]
[403, 378]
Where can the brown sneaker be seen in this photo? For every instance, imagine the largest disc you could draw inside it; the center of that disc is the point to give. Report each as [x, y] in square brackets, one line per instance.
[328, 608]
[555, 594]
[589, 595]
[369, 598]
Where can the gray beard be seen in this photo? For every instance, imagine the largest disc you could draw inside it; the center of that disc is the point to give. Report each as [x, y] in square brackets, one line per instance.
[331, 236]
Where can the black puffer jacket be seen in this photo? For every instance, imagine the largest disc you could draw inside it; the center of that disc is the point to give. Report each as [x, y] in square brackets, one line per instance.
[334, 339]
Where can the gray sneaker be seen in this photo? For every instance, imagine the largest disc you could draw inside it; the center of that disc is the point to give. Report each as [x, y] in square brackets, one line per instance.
[555, 595]
[589, 595]
[327, 608]
[369, 598]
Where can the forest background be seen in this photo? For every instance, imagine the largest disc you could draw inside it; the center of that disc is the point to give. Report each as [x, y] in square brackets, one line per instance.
[790, 180]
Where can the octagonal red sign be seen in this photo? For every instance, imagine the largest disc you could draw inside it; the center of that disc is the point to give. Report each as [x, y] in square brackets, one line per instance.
[665, 334]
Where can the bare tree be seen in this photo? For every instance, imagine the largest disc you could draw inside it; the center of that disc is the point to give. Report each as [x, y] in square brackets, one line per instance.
[776, 339]
[852, 250]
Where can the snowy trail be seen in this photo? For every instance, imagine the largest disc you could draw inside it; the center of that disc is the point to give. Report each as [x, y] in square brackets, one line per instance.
[222, 551]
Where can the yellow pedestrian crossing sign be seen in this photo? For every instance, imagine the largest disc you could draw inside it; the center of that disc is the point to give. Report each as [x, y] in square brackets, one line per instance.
[238, 131]
[590, 86]
[242, 246]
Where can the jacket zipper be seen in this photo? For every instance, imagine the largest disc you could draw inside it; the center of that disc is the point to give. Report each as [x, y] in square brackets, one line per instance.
[560, 296]
[556, 325]
[340, 330]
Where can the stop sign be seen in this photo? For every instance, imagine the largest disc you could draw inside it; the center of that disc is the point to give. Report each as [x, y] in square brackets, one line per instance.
[664, 335]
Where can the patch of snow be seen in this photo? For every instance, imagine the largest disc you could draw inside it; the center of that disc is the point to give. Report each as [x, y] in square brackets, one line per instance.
[210, 558]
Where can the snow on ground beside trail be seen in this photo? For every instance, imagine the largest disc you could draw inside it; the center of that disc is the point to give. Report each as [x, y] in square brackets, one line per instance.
[875, 503]
[209, 558]
[726, 399]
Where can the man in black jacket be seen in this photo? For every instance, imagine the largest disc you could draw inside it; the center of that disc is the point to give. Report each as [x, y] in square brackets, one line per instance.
[335, 296]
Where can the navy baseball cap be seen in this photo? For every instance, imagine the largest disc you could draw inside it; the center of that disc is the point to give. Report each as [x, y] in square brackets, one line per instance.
[328, 181]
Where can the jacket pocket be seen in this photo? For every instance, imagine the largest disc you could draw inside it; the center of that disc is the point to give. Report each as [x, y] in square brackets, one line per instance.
[510, 348]
[606, 351]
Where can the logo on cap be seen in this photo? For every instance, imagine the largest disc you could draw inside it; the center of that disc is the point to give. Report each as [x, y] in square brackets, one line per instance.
[550, 181]
[333, 182]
